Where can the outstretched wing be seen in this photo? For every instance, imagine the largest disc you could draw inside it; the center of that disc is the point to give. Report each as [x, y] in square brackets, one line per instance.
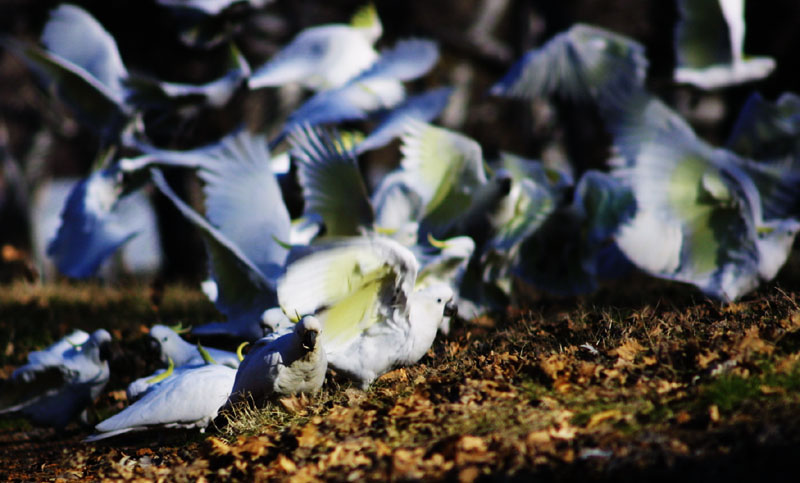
[349, 285]
[243, 291]
[333, 187]
[242, 196]
[445, 168]
[583, 63]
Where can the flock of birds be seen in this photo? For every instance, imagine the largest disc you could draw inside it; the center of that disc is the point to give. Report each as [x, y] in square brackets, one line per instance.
[362, 282]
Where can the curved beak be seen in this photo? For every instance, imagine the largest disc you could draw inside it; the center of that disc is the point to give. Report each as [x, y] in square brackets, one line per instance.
[105, 351]
[450, 309]
[309, 340]
[153, 347]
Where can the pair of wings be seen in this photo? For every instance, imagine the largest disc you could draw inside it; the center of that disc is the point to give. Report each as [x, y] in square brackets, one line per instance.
[699, 209]
[583, 63]
[350, 285]
[377, 89]
[442, 168]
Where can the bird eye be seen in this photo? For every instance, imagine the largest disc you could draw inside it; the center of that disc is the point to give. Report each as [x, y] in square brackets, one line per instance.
[164, 339]
[439, 300]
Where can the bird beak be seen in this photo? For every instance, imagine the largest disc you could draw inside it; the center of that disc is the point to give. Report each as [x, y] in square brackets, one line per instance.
[450, 309]
[153, 347]
[105, 351]
[309, 340]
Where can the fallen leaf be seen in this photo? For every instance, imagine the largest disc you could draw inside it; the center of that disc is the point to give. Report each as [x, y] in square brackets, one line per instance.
[713, 413]
[627, 350]
[602, 416]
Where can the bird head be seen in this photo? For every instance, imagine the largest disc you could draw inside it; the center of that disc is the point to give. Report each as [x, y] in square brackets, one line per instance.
[308, 329]
[274, 320]
[101, 339]
[167, 343]
[437, 299]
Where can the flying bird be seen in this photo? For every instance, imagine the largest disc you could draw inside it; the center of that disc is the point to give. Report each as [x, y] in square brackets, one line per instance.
[709, 45]
[324, 56]
[584, 63]
[362, 290]
[700, 217]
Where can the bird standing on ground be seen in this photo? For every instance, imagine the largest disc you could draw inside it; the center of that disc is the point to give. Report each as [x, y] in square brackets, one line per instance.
[289, 364]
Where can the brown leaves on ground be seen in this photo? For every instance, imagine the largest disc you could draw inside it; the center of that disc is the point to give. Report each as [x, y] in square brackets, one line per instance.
[582, 391]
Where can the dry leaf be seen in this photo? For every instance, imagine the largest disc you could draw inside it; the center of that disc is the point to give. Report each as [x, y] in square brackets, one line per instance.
[286, 464]
[713, 413]
[627, 350]
[604, 416]
[295, 404]
[706, 358]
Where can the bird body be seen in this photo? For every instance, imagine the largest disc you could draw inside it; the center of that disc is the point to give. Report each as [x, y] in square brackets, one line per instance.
[189, 399]
[362, 291]
[57, 388]
[291, 363]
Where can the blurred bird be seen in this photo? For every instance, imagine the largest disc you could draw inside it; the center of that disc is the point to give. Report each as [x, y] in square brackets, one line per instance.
[190, 399]
[362, 291]
[51, 356]
[190, 357]
[58, 383]
[376, 89]
[81, 63]
[699, 215]
[289, 364]
[447, 175]
[181, 353]
[324, 56]
[573, 249]
[100, 215]
[446, 264]
[536, 193]
[709, 45]
[585, 63]
[246, 220]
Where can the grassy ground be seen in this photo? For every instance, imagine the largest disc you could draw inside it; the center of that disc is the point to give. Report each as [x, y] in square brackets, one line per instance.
[642, 380]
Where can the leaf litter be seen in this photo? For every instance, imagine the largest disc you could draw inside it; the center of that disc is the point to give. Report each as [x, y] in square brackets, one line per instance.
[588, 388]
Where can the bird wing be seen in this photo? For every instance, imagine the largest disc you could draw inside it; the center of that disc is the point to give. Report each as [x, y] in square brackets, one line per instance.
[702, 36]
[583, 63]
[93, 225]
[424, 107]
[444, 167]
[73, 34]
[406, 60]
[349, 285]
[333, 187]
[94, 103]
[243, 291]
[190, 398]
[242, 196]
